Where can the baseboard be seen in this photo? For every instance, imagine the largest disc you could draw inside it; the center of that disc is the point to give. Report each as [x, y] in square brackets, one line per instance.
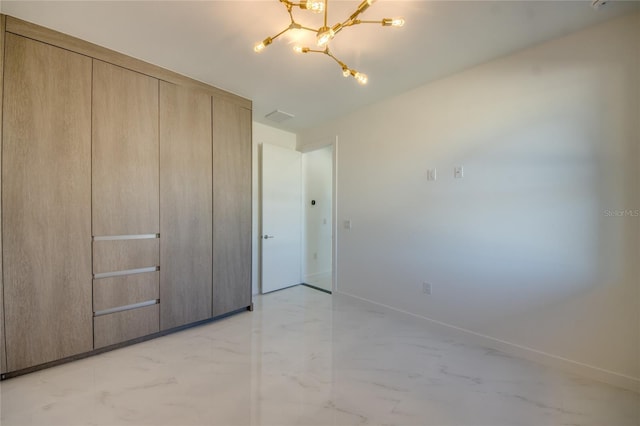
[555, 361]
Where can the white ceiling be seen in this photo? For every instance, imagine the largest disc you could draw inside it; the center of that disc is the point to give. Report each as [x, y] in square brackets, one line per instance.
[212, 41]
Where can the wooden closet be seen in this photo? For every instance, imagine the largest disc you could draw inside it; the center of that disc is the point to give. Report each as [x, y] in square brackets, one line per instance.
[126, 199]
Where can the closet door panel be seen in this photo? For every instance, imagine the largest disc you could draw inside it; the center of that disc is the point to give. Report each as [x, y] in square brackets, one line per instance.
[185, 206]
[46, 195]
[125, 152]
[231, 207]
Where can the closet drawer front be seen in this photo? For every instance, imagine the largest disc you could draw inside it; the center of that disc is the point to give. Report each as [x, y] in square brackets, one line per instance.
[125, 325]
[123, 255]
[113, 292]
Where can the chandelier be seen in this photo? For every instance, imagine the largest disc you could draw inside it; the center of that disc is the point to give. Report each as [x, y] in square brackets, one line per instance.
[326, 33]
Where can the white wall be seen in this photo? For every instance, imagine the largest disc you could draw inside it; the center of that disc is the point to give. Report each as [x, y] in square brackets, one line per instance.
[317, 173]
[523, 249]
[262, 134]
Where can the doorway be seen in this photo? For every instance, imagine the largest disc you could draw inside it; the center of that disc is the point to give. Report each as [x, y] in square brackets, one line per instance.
[297, 217]
[317, 221]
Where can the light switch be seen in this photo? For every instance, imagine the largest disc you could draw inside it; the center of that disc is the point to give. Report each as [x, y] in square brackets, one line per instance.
[432, 174]
[458, 172]
[347, 224]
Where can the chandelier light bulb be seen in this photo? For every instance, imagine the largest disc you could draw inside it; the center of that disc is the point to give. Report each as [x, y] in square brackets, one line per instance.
[346, 72]
[264, 43]
[325, 36]
[361, 78]
[397, 22]
[315, 6]
[297, 49]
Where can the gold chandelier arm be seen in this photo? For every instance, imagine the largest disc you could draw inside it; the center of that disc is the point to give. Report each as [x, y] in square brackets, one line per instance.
[313, 30]
[294, 24]
[385, 22]
[346, 71]
[267, 41]
[358, 22]
[361, 8]
[329, 54]
[307, 50]
[280, 33]
[292, 4]
[326, 11]
[325, 52]
[289, 4]
[342, 64]
[348, 23]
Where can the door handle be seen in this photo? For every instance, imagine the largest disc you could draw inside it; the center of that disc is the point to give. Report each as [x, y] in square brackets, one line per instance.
[266, 237]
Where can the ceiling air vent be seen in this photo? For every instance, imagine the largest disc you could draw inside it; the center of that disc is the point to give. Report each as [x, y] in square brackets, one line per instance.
[597, 4]
[279, 116]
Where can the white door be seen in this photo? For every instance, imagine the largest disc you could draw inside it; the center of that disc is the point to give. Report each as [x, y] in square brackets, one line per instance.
[281, 218]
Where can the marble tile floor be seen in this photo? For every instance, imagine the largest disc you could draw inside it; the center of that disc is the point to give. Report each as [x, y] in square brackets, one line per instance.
[321, 280]
[304, 357]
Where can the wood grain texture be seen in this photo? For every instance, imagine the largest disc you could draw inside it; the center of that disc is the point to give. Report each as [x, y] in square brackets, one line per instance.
[121, 291]
[46, 196]
[126, 325]
[65, 41]
[125, 152]
[121, 255]
[3, 353]
[185, 206]
[231, 207]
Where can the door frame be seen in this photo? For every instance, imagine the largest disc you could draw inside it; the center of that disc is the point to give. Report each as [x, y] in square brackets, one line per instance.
[319, 144]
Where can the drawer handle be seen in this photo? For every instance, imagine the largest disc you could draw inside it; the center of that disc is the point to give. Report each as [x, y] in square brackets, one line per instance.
[126, 272]
[126, 237]
[125, 308]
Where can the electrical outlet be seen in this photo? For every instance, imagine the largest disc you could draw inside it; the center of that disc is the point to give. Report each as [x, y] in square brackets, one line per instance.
[426, 288]
[315, 256]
